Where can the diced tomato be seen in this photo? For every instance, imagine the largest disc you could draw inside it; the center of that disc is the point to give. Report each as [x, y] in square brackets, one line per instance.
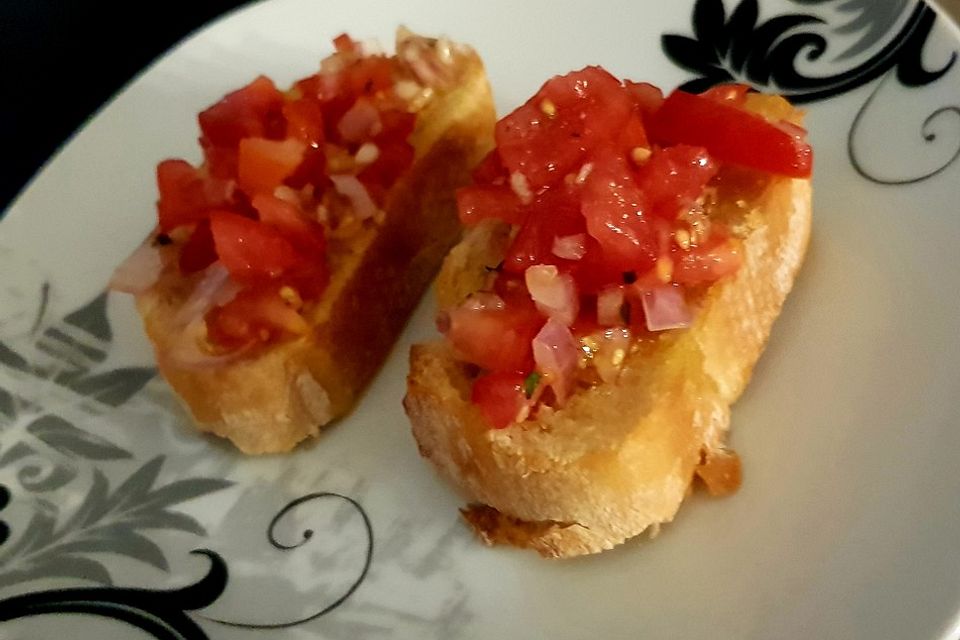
[221, 162]
[633, 134]
[198, 251]
[306, 234]
[513, 291]
[312, 170]
[395, 153]
[397, 125]
[555, 212]
[264, 164]
[304, 121]
[674, 177]
[343, 43]
[253, 111]
[734, 93]
[595, 269]
[546, 138]
[476, 203]
[615, 209]
[255, 314]
[496, 339]
[252, 251]
[490, 169]
[500, 397]
[730, 134]
[369, 75]
[705, 264]
[646, 96]
[186, 194]
[394, 158]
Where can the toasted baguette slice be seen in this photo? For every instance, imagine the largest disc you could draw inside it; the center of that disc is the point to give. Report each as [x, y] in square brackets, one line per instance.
[270, 400]
[619, 457]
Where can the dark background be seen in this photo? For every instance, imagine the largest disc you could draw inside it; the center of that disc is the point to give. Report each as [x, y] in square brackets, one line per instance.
[61, 59]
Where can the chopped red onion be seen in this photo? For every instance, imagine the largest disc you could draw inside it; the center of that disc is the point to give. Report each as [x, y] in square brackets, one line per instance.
[610, 306]
[139, 271]
[215, 288]
[556, 353]
[554, 293]
[350, 187]
[665, 308]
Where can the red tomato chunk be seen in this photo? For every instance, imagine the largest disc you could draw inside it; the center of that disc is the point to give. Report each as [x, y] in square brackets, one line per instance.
[608, 188]
[259, 202]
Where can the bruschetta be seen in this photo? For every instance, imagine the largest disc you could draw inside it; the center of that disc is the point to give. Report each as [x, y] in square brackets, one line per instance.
[626, 257]
[284, 267]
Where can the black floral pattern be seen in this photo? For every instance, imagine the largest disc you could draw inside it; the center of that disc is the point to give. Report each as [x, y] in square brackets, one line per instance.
[739, 47]
[161, 613]
[765, 54]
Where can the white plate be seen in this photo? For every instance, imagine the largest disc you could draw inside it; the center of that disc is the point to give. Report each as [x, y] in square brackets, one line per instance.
[848, 523]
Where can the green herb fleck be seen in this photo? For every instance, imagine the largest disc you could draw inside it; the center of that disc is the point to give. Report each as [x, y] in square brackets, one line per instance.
[530, 384]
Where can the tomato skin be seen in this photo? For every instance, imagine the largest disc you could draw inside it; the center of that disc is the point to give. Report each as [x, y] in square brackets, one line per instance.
[730, 134]
[253, 111]
[500, 397]
[264, 164]
[495, 339]
[732, 92]
[186, 194]
[476, 203]
[616, 212]
[589, 106]
[252, 251]
[673, 178]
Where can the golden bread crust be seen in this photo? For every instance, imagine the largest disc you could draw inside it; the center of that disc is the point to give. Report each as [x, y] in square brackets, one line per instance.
[619, 457]
[270, 400]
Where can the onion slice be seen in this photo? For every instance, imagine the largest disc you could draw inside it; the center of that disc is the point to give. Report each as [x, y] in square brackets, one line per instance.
[556, 353]
[554, 293]
[351, 188]
[140, 270]
[610, 306]
[187, 351]
[665, 308]
[215, 288]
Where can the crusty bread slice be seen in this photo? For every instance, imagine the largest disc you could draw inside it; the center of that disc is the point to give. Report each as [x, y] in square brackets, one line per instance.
[619, 457]
[272, 399]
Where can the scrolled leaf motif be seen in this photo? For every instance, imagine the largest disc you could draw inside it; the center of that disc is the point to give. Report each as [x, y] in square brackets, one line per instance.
[160, 613]
[306, 536]
[112, 388]
[72, 441]
[105, 522]
[39, 474]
